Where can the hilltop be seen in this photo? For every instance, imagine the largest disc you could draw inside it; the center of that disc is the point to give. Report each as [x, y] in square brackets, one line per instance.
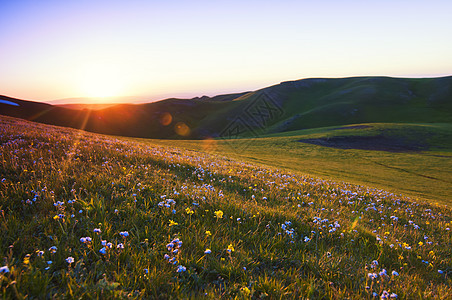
[285, 107]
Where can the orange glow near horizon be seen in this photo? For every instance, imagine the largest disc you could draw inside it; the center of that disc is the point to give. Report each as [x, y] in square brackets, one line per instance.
[143, 50]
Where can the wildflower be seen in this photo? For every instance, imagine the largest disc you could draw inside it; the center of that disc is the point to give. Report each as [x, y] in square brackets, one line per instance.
[208, 233]
[383, 273]
[420, 244]
[80, 211]
[40, 253]
[230, 248]
[109, 245]
[440, 271]
[70, 260]
[384, 295]
[172, 223]
[181, 268]
[116, 211]
[394, 273]
[27, 259]
[97, 230]
[120, 246]
[53, 249]
[246, 291]
[393, 295]
[306, 239]
[55, 217]
[372, 276]
[124, 234]
[208, 251]
[49, 262]
[218, 214]
[104, 243]
[104, 250]
[4, 269]
[146, 271]
[189, 211]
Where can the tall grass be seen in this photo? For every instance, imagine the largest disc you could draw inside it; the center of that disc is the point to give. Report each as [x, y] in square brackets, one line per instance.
[92, 216]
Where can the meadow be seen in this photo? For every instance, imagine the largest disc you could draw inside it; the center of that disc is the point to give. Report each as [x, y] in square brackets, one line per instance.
[84, 215]
[413, 159]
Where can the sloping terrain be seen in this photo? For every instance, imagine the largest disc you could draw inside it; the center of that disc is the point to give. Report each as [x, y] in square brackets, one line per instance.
[289, 106]
[91, 216]
[413, 159]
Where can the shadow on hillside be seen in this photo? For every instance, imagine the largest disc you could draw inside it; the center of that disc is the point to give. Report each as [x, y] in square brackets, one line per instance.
[377, 142]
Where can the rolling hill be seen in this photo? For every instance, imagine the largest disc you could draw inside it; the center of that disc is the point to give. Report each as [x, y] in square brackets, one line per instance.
[285, 107]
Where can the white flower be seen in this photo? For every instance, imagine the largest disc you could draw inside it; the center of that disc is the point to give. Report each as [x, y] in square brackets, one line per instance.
[208, 251]
[70, 260]
[4, 269]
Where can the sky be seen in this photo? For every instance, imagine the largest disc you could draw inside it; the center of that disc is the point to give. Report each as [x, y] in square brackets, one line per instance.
[156, 49]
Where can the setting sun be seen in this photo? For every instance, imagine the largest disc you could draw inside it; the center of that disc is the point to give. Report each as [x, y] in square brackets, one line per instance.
[99, 81]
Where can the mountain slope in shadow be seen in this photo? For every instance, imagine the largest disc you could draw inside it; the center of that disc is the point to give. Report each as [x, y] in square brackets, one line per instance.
[288, 106]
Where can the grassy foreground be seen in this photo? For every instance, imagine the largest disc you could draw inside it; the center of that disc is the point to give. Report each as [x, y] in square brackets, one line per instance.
[92, 216]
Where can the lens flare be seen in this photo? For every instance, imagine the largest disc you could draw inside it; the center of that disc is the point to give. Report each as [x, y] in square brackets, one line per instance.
[166, 119]
[182, 129]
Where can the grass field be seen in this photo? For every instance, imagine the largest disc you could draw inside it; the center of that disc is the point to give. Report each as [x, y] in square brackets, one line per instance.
[418, 163]
[92, 216]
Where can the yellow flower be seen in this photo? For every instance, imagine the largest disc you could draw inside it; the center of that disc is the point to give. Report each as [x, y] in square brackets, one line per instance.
[27, 259]
[230, 248]
[189, 211]
[246, 291]
[56, 217]
[420, 243]
[172, 223]
[208, 233]
[218, 214]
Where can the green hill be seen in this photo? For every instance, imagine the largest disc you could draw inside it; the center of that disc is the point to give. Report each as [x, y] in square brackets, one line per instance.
[288, 106]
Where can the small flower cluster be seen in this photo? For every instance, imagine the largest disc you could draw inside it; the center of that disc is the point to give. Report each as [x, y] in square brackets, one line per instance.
[173, 248]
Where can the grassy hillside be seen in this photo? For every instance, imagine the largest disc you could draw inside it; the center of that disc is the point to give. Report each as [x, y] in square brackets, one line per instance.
[92, 216]
[289, 106]
[414, 159]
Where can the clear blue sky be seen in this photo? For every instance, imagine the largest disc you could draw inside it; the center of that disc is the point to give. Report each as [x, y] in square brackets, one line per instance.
[60, 49]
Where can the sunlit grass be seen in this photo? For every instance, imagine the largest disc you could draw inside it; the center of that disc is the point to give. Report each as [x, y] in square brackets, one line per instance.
[92, 216]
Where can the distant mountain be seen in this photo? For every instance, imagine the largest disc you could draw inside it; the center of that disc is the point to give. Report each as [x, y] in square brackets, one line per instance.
[288, 106]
